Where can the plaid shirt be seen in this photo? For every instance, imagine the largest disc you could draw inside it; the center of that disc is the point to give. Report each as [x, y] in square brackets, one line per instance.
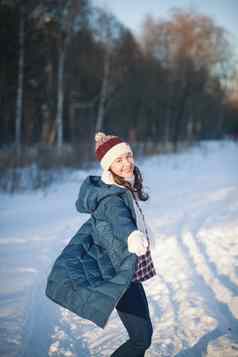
[145, 268]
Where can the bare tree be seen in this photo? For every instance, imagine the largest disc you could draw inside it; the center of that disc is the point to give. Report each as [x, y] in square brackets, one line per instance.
[20, 77]
[60, 28]
[106, 30]
[192, 49]
[19, 98]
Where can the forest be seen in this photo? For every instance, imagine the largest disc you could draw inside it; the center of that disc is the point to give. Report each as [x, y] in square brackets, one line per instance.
[69, 69]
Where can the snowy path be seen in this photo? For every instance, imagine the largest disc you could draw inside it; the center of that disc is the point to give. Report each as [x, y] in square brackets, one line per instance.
[194, 297]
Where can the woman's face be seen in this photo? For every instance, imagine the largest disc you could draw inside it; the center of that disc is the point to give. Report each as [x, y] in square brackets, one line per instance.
[123, 165]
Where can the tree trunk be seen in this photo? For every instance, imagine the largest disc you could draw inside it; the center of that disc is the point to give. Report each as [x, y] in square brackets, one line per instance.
[48, 118]
[180, 113]
[168, 113]
[104, 93]
[60, 99]
[167, 122]
[220, 122]
[19, 98]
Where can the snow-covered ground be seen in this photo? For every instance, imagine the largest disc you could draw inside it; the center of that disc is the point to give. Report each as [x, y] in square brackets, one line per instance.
[193, 212]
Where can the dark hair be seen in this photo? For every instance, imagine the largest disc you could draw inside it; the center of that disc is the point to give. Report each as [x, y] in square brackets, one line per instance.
[138, 185]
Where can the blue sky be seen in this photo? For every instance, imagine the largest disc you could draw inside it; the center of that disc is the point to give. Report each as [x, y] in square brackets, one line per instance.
[132, 12]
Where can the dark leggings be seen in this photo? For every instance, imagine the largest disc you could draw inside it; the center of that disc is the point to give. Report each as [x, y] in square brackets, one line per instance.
[134, 313]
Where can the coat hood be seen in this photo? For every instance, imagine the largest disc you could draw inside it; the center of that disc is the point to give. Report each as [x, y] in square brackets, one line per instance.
[92, 191]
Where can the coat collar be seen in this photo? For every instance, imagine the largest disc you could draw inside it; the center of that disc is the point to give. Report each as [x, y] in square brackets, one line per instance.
[107, 178]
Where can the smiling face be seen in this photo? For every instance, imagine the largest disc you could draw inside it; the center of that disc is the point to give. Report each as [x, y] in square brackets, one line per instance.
[123, 165]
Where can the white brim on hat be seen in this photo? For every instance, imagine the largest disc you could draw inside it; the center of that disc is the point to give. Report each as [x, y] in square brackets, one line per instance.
[113, 153]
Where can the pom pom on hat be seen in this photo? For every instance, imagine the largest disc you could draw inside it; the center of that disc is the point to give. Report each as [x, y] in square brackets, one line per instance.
[108, 148]
[99, 136]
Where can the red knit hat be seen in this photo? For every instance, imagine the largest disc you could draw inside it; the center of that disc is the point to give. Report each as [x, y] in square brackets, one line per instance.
[108, 148]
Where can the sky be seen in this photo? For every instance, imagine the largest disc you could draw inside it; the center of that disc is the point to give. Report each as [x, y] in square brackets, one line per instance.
[132, 12]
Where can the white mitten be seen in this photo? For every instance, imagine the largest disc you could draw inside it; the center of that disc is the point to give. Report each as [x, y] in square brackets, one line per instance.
[137, 243]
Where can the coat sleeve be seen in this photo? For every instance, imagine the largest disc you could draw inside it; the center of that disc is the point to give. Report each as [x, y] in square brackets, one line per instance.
[119, 216]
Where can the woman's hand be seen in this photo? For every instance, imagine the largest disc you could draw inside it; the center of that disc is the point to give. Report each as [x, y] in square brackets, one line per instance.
[137, 243]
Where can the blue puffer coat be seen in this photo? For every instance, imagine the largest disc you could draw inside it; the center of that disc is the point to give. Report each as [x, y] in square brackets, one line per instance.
[95, 268]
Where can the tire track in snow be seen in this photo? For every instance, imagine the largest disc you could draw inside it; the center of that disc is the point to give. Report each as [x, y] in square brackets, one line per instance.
[225, 289]
[41, 318]
[200, 221]
[222, 278]
[162, 332]
[184, 317]
[68, 338]
[227, 323]
[163, 317]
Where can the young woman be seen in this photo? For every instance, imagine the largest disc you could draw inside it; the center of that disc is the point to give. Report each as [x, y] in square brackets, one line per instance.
[105, 263]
